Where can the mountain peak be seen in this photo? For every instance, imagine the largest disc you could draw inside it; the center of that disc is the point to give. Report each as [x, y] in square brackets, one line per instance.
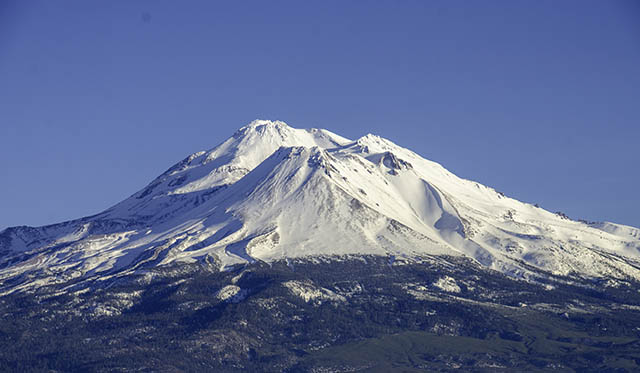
[267, 123]
[263, 126]
[371, 143]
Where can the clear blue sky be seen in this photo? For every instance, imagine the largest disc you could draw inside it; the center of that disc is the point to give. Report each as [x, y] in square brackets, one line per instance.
[538, 99]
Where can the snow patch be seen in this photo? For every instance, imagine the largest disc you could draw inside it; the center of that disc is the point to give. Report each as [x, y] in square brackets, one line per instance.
[231, 294]
[447, 284]
[309, 292]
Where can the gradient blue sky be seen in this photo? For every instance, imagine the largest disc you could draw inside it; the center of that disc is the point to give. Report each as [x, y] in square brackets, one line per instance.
[538, 99]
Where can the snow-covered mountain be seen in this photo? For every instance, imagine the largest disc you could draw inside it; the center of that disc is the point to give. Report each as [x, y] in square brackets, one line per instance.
[273, 192]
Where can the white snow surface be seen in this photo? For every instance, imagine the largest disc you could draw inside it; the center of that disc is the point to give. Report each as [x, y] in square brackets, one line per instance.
[309, 292]
[447, 284]
[272, 192]
[231, 293]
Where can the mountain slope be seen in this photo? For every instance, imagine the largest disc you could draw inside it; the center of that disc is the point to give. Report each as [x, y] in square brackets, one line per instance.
[273, 192]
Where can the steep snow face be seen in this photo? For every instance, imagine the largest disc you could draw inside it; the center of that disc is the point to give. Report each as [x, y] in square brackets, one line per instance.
[202, 173]
[248, 147]
[271, 192]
